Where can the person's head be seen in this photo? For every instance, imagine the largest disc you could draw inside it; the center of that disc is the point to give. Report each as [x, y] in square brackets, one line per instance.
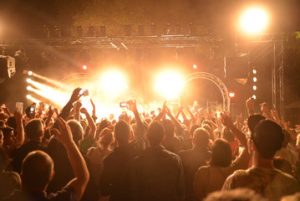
[106, 137]
[193, 128]
[77, 130]
[11, 122]
[227, 135]
[8, 137]
[155, 133]
[267, 138]
[253, 120]
[122, 132]
[201, 138]
[221, 154]
[169, 128]
[238, 194]
[34, 130]
[37, 171]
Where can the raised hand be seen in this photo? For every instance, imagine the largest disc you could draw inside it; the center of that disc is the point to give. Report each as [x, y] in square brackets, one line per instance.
[75, 95]
[226, 120]
[18, 116]
[84, 110]
[132, 105]
[62, 131]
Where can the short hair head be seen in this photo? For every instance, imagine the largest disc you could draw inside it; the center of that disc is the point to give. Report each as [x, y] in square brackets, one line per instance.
[267, 138]
[201, 137]
[155, 133]
[221, 153]
[37, 171]
[34, 130]
[122, 132]
[77, 130]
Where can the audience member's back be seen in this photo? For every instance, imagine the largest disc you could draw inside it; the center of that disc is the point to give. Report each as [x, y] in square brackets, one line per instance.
[158, 173]
[34, 131]
[193, 158]
[115, 178]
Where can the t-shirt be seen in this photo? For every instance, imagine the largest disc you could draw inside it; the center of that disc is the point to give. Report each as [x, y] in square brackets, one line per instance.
[270, 183]
[63, 195]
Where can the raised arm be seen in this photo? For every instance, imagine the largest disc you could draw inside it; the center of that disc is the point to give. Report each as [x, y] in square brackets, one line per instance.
[242, 161]
[227, 122]
[94, 114]
[177, 124]
[79, 183]
[140, 128]
[68, 107]
[91, 123]
[250, 106]
[20, 137]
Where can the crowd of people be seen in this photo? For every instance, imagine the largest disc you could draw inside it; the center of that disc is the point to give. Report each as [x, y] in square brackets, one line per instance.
[188, 156]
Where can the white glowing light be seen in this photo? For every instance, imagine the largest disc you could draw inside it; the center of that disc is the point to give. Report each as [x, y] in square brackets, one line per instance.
[113, 83]
[254, 20]
[231, 94]
[169, 84]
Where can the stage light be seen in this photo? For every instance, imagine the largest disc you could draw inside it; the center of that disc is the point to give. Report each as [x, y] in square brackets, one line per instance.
[169, 84]
[254, 96]
[254, 71]
[29, 88]
[30, 73]
[31, 98]
[195, 66]
[231, 94]
[84, 67]
[254, 20]
[28, 80]
[113, 83]
[254, 79]
[254, 87]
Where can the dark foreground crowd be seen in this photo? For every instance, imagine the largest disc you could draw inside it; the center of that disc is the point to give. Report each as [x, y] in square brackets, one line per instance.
[65, 155]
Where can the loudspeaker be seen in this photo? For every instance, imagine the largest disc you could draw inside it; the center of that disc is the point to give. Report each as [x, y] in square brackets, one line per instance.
[7, 67]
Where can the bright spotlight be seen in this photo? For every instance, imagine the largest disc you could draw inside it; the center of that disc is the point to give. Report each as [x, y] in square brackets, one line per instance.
[254, 87]
[84, 67]
[195, 66]
[30, 73]
[28, 80]
[231, 94]
[28, 96]
[29, 88]
[254, 79]
[254, 20]
[254, 71]
[254, 96]
[169, 84]
[113, 83]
